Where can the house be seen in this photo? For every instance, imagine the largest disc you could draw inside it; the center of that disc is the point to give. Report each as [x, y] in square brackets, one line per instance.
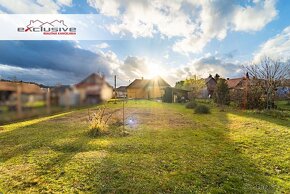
[94, 89]
[18, 94]
[210, 83]
[147, 89]
[121, 92]
[238, 88]
[283, 92]
[65, 95]
[236, 83]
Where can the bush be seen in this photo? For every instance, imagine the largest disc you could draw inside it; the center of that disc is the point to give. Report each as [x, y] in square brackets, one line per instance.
[191, 105]
[202, 109]
[98, 122]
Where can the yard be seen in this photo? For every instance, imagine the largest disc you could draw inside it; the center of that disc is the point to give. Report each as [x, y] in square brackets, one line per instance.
[169, 149]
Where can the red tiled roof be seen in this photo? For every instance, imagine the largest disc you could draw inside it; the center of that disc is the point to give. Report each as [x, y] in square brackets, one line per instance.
[232, 83]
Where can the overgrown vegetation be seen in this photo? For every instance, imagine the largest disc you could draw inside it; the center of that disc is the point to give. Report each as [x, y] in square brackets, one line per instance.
[202, 109]
[98, 121]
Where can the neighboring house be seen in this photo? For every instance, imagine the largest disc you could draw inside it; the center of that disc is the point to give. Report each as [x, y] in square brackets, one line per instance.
[94, 89]
[15, 92]
[147, 89]
[121, 92]
[210, 83]
[236, 83]
[65, 95]
[238, 88]
[283, 92]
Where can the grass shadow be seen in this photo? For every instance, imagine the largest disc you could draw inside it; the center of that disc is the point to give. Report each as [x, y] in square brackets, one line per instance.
[197, 157]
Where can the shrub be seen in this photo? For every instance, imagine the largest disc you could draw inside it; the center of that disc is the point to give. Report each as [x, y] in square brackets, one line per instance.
[202, 109]
[191, 105]
[98, 122]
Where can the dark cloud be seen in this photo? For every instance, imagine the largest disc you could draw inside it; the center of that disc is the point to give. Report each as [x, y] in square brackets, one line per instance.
[63, 57]
[133, 67]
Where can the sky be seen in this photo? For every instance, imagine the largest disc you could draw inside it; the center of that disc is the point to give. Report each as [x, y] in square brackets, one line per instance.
[172, 39]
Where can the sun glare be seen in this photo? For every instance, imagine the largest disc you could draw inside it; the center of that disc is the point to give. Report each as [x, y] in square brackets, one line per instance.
[155, 71]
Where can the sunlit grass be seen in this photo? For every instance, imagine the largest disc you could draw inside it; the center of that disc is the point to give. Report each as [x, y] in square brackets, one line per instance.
[170, 150]
[31, 122]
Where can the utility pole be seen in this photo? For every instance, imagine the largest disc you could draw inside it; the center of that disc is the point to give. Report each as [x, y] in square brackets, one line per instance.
[115, 92]
[123, 115]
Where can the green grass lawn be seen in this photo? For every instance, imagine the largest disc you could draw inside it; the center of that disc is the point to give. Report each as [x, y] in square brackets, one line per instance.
[168, 150]
[283, 104]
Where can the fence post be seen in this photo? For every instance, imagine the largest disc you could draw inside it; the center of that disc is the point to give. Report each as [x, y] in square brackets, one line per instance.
[48, 104]
[18, 100]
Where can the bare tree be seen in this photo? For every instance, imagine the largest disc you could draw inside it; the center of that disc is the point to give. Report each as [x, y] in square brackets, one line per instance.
[268, 74]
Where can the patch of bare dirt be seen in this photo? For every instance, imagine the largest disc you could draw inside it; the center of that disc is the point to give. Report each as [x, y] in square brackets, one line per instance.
[134, 117]
[153, 117]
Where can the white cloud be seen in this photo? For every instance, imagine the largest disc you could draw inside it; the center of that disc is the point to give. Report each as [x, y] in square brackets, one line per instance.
[276, 47]
[65, 2]
[219, 17]
[106, 7]
[145, 18]
[102, 45]
[255, 18]
[193, 22]
[34, 6]
[207, 65]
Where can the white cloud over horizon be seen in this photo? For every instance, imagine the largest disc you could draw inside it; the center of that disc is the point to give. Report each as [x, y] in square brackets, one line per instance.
[277, 47]
[194, 23]
[34, 6]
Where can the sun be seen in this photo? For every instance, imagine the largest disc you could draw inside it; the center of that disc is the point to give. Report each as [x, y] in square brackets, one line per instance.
[155, 71]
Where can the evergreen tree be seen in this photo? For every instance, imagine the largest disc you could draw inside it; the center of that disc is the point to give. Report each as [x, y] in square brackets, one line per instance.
[222, 94]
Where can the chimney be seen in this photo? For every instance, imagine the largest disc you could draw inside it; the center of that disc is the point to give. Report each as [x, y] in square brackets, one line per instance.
[142, 78]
